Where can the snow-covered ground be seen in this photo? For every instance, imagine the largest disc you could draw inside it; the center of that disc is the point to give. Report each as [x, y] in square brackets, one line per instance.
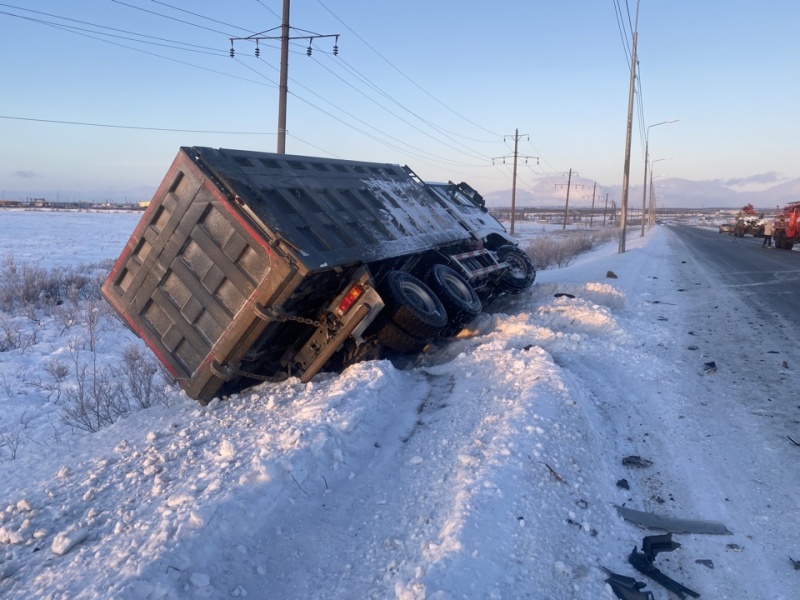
[490, 467]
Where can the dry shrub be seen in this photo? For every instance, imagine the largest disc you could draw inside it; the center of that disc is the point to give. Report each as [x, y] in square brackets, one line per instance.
[557, 250]
[26, 285]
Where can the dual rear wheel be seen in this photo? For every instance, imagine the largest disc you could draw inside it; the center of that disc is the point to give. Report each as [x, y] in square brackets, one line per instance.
[416, 312]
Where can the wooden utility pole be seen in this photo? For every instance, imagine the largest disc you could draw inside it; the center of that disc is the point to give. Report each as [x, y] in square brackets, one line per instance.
[605, 209]
[591, 214]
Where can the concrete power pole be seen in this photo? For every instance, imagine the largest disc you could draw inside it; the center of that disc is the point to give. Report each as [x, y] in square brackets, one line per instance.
[516, 156]
[627, 169]
[283, 87]
[566, 206]
[514, 182]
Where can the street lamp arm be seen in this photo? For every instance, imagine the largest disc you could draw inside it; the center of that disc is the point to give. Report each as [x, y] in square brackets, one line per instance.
[646, 158]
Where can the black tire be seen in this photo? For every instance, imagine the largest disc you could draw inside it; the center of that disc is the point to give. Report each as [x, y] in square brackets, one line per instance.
[520, 274]
[459, 298]
[412, 305]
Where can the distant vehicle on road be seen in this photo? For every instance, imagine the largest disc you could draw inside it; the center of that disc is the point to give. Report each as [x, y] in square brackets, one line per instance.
[726, 228]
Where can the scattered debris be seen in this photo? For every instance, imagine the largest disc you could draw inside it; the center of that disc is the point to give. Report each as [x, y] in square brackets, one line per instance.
[710, 368]
[734, 547]
[627, 588]
[593, 532]
[553, 472]
[661, 302]
[563, 295]
[653, 521]
[795, 563]
[636, 461]
[681, 289]
[623, 483]
[643, 562]
[611, 275]
[785, 364]
[663, 319]
[582, 503]
[692, 348]
[795, 442]
[707, 562]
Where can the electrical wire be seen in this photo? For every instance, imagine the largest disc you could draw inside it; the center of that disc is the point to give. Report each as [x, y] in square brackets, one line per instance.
[194, 14]
[479, 157]
[152, 12]
[151, 37]
[113, 126]
[387, 61]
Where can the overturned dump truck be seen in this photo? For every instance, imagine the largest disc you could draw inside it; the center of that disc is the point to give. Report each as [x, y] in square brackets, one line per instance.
[251, 266]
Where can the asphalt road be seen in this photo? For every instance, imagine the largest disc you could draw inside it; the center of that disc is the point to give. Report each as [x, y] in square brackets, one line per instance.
[768, 280]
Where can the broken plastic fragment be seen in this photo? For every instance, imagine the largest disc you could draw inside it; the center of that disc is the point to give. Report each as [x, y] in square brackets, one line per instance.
[710, 368]
[653, 521]
[627, 588]
[636, 461]
[652, 545]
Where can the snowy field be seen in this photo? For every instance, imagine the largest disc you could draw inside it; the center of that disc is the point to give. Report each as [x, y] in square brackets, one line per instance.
[489, 468]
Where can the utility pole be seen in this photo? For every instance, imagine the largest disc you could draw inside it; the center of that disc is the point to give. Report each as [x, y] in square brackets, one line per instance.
[517, 137]
[605, 209]
[566, 206]
[627, 169]
[591, 214]
[283, 88]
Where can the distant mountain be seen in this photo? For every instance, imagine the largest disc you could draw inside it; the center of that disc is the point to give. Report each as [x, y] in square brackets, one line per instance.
[670, 193]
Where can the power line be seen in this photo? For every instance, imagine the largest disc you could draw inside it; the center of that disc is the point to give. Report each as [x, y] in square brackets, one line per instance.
[158, 14]
[112, 126]
[194, 14]
[430, 157]
[404, 75]
[70, 27]
[479, 157]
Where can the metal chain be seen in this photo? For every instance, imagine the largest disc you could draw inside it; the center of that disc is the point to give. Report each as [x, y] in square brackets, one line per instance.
[305, 321]
[311, 322]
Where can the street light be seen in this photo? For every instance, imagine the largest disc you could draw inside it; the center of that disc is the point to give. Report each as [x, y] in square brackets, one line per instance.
[646, 158]
[651, 181]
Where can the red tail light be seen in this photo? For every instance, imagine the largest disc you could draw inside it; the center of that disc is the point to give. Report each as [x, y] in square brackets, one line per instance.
[350, 298]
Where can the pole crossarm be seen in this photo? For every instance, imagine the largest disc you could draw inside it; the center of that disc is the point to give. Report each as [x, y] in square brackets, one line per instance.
[309, 35]
[284, 37]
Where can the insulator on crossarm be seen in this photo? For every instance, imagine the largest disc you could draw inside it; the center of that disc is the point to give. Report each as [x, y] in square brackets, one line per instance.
[232, 52]
[336, 50]
[258, 51]
[308, 51]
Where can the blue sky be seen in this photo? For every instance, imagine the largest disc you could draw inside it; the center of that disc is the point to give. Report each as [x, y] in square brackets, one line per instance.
[440, 86]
